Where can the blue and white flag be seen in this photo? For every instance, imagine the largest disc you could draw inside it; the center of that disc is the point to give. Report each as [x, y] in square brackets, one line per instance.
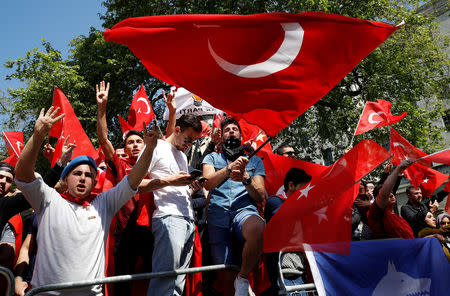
[406, 267]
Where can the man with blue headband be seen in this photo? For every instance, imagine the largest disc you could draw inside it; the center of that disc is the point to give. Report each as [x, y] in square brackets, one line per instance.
[73, 226]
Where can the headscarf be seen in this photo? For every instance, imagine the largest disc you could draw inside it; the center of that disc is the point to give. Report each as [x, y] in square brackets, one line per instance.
[440, 217]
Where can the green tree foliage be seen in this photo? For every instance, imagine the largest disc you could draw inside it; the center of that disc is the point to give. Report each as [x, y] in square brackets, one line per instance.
[406, 70]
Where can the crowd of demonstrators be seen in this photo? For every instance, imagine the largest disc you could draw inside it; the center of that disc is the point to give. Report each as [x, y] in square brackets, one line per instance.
[156, 191]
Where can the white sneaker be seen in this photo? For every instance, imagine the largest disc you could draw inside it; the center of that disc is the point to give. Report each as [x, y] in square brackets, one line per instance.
[242, 287]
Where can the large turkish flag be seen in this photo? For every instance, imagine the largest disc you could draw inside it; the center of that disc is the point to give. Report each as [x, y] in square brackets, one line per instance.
[267, 68]
[320, 214]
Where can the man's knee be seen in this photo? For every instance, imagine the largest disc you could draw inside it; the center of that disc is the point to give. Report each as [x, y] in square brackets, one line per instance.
[253, 228]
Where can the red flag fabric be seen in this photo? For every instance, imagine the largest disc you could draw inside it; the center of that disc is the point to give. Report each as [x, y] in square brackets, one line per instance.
[439, 157]
[69, 126]
[320, 213]
[278, 66]
[12, 160]
[402, 150]
[14, 142]
[376, 115]
[426, 178]
[125, 126]
[218, 117]
[140, 110]
[254, 136]
[276, 167]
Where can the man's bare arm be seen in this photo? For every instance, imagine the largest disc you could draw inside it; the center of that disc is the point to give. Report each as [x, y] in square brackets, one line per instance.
[102, 92]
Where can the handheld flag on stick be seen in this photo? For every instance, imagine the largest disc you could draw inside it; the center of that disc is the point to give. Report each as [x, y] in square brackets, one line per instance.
[320, 213]
[69, 126]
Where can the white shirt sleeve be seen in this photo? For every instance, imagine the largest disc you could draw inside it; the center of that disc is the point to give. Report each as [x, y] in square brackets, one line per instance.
[37, 193]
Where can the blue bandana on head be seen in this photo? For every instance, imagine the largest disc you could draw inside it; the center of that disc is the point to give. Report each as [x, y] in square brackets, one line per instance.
[82, 159]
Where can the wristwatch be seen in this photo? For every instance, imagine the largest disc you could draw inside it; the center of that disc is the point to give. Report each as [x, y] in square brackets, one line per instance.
[228, 170]
[247, 181]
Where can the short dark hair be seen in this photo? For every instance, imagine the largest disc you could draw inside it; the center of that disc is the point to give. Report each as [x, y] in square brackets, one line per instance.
[132, 133]
[410, 188]
[189, 120]
[228, 121]
[278, 151]
[296, 176]
[4, 166]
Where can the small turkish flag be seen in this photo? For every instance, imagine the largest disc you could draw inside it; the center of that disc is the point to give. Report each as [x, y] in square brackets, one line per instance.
[140, 110]
[439, 157]
[267, 68]
[320, 213]
[402, 150]
[125, 126]
[218, 117]
[254, 136]
[69, 126]
[376, 115]
[14, 142]
[426, 178]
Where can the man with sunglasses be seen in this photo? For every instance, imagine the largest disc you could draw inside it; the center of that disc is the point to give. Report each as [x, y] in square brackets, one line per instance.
[173, 220]
[286, 150]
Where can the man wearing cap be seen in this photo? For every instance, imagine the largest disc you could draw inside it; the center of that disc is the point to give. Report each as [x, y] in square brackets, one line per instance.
[73, 226]
[236, 186]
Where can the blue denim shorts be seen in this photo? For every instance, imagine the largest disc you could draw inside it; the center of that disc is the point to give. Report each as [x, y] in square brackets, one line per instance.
[226, 242]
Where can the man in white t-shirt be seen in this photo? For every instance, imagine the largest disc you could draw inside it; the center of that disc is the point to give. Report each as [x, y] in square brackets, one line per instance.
[173, 220]
[73, 226]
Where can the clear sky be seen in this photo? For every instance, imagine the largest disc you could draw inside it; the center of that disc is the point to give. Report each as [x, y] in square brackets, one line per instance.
[24, 22]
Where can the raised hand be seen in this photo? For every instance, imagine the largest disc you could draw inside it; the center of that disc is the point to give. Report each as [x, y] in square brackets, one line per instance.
[45, 122]
[170, 100]
[48, 151]
[66, 152]
[102, 92]
[150, 137]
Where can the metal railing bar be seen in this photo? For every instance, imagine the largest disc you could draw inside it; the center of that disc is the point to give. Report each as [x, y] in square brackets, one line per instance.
[125, 278]
[10, 280]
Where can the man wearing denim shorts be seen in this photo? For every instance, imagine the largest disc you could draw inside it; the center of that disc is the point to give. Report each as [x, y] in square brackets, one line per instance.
[236, 185]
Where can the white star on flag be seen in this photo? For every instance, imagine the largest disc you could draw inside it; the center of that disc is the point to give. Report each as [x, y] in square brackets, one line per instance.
[321, 214]
[425, 180]
[304, 192]
[260, 137]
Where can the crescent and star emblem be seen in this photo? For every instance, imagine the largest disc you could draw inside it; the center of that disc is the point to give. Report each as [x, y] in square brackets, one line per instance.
[371, 115]
[146, 104]
[282, 59]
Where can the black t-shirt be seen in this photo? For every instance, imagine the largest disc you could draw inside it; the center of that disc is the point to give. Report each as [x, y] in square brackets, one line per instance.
[10, 206]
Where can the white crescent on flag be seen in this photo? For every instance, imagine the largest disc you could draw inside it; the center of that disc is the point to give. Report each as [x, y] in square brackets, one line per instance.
[146, 104]
[371, 115]
[282, 59]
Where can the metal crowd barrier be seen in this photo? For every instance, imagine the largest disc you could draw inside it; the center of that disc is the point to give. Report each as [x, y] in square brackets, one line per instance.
[126, 278]
[10, 280]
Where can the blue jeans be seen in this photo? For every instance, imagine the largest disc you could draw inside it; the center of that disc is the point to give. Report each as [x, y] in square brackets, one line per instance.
[173, 246]
[297, 281]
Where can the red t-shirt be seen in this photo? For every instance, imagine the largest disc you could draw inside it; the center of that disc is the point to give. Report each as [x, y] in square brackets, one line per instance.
[387, 224]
